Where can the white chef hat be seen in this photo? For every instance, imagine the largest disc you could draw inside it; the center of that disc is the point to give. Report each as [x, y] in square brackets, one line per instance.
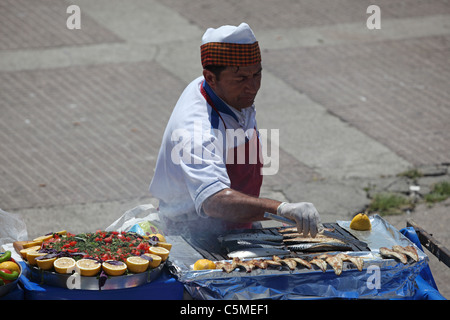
[230, 46]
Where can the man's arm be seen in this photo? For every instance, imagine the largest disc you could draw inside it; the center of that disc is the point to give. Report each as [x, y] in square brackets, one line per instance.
[234, 206]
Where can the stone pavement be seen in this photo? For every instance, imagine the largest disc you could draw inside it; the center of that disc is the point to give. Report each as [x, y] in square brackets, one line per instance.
[83, 111]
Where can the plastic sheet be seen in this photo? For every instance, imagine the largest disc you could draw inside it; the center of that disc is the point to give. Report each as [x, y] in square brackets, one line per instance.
[379, 279]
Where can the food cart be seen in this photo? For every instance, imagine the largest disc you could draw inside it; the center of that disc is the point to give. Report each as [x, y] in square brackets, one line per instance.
[378, 278]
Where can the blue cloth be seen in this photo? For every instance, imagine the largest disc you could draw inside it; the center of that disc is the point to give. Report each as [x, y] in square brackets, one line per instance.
[427, 288]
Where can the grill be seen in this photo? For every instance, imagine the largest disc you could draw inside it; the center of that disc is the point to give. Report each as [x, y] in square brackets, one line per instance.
[210, 247]
[395, 278]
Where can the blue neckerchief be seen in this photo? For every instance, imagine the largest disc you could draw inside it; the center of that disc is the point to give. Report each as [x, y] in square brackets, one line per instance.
[218, 103]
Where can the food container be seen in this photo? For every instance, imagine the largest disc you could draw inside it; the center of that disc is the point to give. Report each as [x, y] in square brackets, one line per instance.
[380, 278]
[5, 289]
[76, 282]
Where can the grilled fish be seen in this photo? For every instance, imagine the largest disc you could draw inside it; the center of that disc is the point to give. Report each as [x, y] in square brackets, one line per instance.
[251, 236]
[315, 247]
[226, 266]
[302, 262]
[320, 263]
[357, 261]
[244, 244]
[290, 263]
[310, 240]
[294, 230]
[260, 263]
[334, 261]
[247, 265]
[388, 253]
[257, 252]
[409, 251]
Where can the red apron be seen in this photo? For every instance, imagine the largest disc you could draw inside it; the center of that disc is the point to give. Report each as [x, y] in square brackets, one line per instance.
[245, 176]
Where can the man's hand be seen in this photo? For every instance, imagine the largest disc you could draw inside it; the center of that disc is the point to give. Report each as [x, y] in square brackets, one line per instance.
[304, 213]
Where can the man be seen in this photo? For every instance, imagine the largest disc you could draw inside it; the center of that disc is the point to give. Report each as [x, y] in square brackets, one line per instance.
[206, 181]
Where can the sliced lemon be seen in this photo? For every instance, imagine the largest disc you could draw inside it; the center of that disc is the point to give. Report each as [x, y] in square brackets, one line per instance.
[61, 233]
[160, 251]
[165, 245]
[204, 264]
[360, 222]
[137, 264]
[45, 264]
[114, 267]
[88, 267]
[32, 255]
[64, 265]
[24, 252]
[156, 260]
[43, 238]
[32, 244]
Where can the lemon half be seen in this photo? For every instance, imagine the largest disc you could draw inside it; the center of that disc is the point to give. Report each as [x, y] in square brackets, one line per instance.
[361, 222]
[204, 264]
[32, 255]
[45, 264]
[137, 264]
[88, 267]
[64, 265]
[160, 251]
[114, 268]
[156, 260]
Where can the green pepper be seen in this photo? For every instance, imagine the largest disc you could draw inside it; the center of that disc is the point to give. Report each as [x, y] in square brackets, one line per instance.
[5, 257]
[1, 282]
[9, 276]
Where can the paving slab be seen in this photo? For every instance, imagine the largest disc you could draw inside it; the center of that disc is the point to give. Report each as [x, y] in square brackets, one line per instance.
[79, 135]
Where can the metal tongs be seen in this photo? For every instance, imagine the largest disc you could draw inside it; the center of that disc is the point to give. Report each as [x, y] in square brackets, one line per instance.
[320, 228]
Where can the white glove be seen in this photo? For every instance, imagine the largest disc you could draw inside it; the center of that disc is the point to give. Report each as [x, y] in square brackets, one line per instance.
[304, 213]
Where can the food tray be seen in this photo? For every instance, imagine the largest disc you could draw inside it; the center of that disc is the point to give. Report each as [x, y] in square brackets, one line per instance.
[5, 289]
[77, 282]
[380, 278]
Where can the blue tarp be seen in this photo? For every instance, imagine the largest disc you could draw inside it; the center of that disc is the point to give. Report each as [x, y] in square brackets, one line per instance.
[427, 288]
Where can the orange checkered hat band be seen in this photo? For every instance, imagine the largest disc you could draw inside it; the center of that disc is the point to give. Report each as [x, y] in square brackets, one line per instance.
[230, 54]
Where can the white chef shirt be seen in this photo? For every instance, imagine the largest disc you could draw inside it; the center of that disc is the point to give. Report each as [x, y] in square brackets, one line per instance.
[191, 162]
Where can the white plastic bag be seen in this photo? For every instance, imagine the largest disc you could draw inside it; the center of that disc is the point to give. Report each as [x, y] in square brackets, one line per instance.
[12, 228]
[139, 219]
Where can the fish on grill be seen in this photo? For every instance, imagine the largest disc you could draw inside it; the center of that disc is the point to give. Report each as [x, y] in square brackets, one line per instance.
[319, 263]
[249, 265]
[235, 245]
[388, 253]
[292, 263]
[286, 230]
[321, 246]
[409, 251]
[302, 262]
[247, 253]
[323, 239]
[251, 236]
[357, 261]
[334, 261]
[226, 266]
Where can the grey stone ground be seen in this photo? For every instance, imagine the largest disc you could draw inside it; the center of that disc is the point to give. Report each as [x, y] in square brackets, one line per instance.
[83, 111]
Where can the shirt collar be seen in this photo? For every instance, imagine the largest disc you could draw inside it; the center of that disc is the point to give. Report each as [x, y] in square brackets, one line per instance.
[219, 104]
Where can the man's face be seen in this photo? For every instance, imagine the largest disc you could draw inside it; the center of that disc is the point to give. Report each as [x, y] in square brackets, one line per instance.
[236, 86]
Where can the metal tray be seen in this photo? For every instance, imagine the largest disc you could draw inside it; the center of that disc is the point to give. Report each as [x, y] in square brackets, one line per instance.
[77, 282]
